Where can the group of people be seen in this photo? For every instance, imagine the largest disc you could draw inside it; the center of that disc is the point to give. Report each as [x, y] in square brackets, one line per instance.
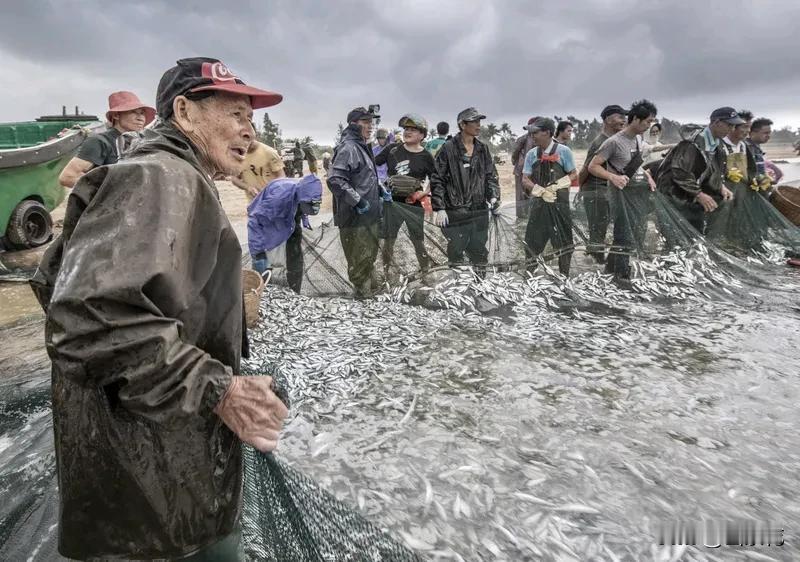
[457, 186]
[143, 291]
[625, 164]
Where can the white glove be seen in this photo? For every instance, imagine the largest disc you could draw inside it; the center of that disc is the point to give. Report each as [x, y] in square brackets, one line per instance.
[549, 194]
[563, 183]
[537, 191]
[440, 218]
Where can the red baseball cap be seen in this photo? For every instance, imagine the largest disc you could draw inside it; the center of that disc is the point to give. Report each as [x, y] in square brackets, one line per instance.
[200, 74]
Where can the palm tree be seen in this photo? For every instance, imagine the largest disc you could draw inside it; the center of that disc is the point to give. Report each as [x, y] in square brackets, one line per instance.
[491, 131]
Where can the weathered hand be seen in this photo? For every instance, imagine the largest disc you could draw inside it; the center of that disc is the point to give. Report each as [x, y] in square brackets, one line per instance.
[727, 194]
[619, 181]
[253, 412]
[706, 201]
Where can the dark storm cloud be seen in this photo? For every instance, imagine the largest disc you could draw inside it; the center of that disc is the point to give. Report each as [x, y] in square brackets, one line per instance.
[510, 59]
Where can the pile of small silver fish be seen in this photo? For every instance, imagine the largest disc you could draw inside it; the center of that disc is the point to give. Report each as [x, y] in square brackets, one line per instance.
[416, 415]
[678, 275]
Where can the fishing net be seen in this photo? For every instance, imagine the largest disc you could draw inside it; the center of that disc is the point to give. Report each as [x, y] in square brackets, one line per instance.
[609, 231]
[288, 517]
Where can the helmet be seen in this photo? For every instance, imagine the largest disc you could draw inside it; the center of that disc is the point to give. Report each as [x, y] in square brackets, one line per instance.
[415, 121]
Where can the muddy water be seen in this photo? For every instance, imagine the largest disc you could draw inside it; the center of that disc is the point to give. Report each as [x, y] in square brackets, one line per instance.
[17, 303]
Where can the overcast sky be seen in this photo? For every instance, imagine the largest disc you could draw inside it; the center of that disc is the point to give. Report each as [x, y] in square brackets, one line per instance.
[510, 59]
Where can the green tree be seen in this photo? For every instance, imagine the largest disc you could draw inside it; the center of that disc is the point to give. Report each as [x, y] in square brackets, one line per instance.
[507, 138]
[270, 133]
[487, 135]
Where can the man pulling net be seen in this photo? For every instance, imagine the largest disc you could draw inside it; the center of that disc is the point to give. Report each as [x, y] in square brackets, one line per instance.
[547, 175]
[629, 184]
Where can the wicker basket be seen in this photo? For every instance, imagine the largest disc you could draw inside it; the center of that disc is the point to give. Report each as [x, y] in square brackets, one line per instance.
[252, 287]
[787, 200]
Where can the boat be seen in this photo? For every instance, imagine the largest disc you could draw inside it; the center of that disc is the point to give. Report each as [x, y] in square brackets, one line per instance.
[32, 156]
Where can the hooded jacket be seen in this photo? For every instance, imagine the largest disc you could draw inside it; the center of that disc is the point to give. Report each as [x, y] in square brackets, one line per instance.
[352, 177]
[143, 298]
[458, 188]
[691, 167]
[271, 215]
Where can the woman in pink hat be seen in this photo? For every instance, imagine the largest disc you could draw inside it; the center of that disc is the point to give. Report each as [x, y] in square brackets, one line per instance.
[125, 113]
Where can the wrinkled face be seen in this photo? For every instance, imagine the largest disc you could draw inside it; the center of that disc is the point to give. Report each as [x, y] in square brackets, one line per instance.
[762, 135]
[412, 135]
[471, 127]
[133, 120]
[642, 125]
[720, 129]
[220, 127]
[739, 133]
[366, 128]
[616, 122]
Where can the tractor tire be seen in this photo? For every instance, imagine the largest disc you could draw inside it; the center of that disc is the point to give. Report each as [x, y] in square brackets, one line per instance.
[30, 225]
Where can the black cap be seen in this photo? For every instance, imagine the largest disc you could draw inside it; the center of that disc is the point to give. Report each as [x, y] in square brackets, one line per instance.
[542, 124]
[470, 114]
[611, 110]
[201, 74]
[727, 114]
[360, 113]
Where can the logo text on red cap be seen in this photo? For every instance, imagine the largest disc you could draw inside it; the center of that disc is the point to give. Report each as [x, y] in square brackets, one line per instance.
[218, 72]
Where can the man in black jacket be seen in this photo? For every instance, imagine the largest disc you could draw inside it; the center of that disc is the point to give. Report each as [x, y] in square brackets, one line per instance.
[692, 174]
[464, 184]
[353, 180]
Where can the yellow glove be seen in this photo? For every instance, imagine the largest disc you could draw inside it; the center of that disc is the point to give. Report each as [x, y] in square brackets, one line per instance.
[735, 175]
[765, 183]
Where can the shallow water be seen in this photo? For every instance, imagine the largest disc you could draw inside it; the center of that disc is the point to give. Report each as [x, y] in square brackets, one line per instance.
[542, 433]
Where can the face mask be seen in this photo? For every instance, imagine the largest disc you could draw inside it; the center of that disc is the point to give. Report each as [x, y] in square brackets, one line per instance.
[310, 207]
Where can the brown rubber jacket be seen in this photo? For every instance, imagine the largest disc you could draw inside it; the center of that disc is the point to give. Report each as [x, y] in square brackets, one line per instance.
[144, 329]
[690, 168]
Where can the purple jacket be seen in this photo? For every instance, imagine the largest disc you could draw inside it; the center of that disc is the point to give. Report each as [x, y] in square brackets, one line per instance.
[271, 215]
[383, 171]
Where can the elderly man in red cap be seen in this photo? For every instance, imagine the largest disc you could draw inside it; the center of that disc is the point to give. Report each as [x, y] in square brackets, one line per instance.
[144, 328]
[126, 113]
